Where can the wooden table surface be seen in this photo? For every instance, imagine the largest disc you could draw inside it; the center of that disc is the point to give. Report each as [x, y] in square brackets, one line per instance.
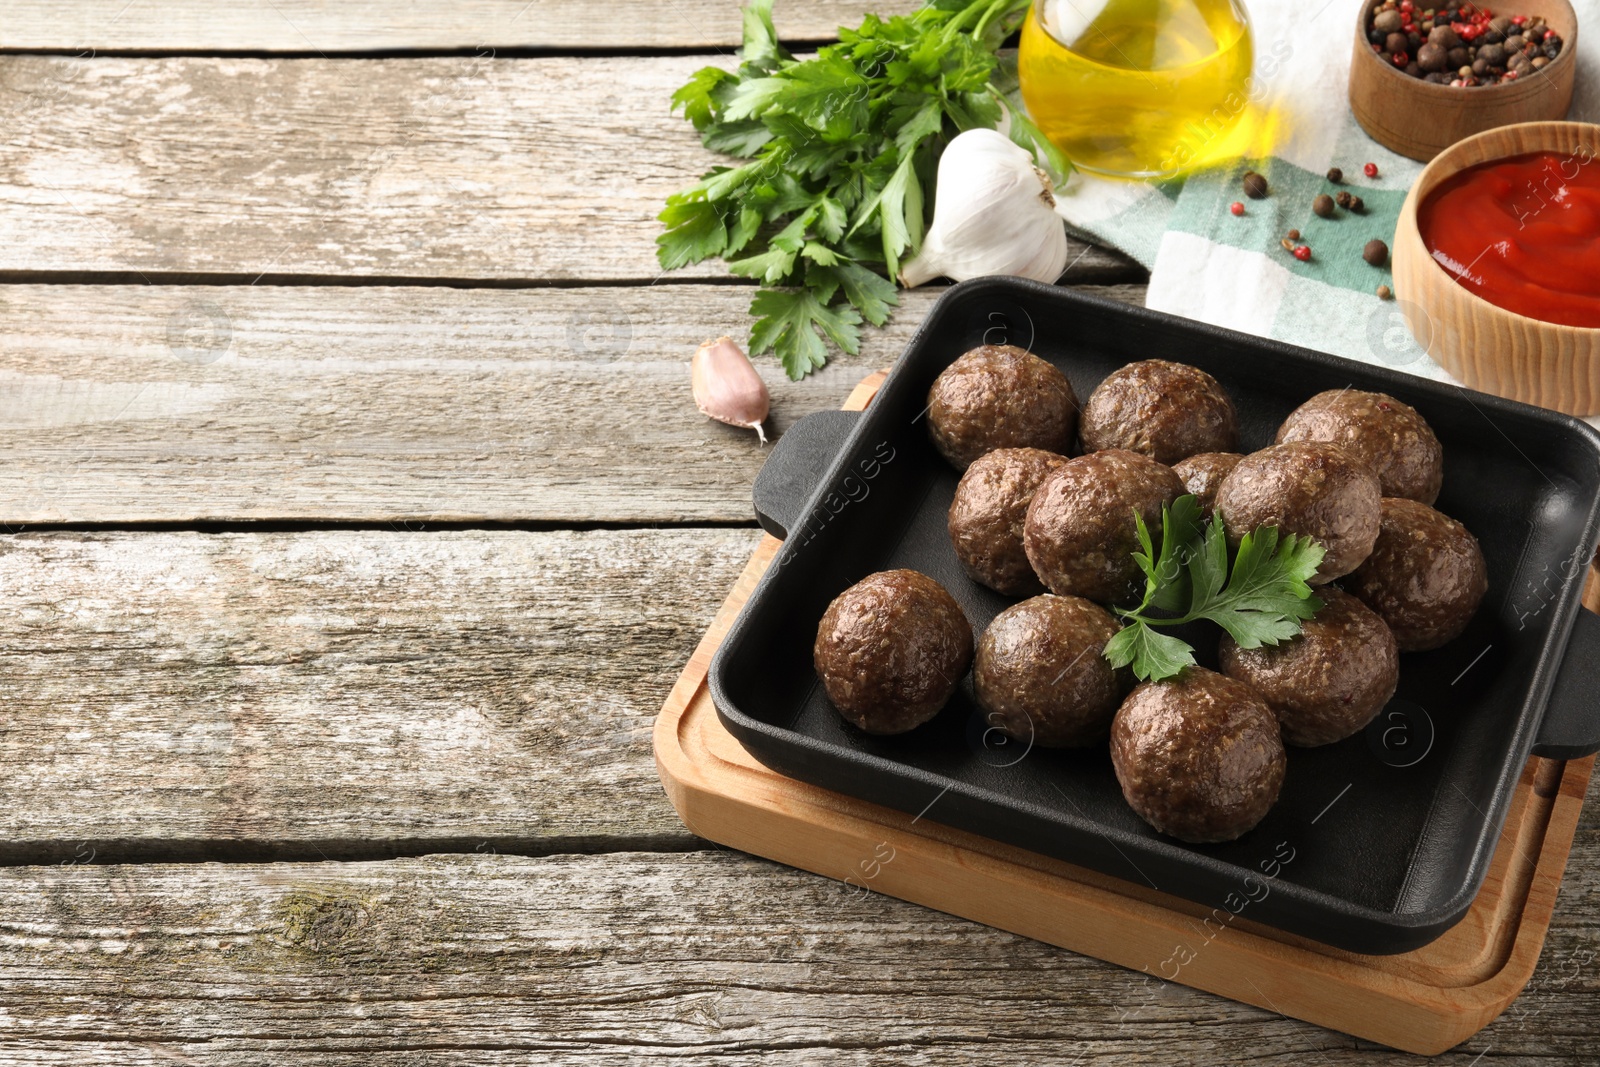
[358, 520]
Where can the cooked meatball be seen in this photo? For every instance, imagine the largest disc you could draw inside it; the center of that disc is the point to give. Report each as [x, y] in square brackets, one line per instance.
[1039, 674]
[1378, 430]
[891, 649]
[1308, 488]
[1198, 756]
[1167, 411]
[987, 514]
[1080, 532]
[1202, 474]
[1330, 681]
[1425, 576]
[998, 396]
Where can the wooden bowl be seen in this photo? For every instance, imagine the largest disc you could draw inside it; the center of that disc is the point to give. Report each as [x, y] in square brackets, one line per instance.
[1485, 346]
[1419, 119]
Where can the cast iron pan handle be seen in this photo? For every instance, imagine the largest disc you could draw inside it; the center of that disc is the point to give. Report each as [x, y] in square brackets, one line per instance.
[795, 468]
[1571, 726]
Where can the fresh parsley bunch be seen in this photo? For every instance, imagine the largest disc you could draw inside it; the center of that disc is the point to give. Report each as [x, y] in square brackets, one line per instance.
[841, 148]
[1261, 602]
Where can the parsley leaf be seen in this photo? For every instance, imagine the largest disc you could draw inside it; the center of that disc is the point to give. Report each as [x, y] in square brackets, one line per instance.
[694, 231]
[1166, 580]
[790, 321]
[1261, 600]
[842, 150]
[1152, 654]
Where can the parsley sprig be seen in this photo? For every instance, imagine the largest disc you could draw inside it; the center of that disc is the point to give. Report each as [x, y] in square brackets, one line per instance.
[1261, 601]
[843, 148]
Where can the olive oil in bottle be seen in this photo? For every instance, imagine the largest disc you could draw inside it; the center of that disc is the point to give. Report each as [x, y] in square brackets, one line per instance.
[1136, 88]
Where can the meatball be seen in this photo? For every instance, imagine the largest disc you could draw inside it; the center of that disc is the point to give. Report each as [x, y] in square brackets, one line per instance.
[987, 514]
[998, 396]
[1167, 411]
[891, 649]
[1080, 532]
[1425, 577]
[1039, 674]
[1330, 681]
[1202, 474]
[1198, 756]
[1308, 488]
[1378, 430]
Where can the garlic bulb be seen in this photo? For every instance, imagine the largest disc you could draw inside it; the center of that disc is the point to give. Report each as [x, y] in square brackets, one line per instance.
[727, 387]
[993, 213]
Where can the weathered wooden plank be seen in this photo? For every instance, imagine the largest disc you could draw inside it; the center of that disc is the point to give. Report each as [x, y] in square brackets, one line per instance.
[469, 168]
[344, 693]
[304, 26]
[621, 958]
[131, 403]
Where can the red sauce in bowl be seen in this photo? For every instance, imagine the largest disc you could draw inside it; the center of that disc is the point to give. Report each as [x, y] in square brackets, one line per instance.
[1523, 233]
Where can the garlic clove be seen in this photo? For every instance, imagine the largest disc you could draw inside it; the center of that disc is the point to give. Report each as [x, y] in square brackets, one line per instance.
[727, 387]
[994, 213]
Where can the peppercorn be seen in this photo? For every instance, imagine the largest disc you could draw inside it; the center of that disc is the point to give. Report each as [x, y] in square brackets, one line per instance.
[1375, 252]
[1370, 170]
[1293, 235]
[1335, 175]
[1255, 186]
[1302, 253]
[1343, 199]
[1322, 206]
[1357, 205]
[1384, 293]
[1431, 58]
[1236, 207]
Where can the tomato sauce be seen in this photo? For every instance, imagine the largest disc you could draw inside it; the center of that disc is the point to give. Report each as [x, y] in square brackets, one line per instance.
[1523, 233]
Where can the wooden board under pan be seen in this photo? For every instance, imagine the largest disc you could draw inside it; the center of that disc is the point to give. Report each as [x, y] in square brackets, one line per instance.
[1424, 1001]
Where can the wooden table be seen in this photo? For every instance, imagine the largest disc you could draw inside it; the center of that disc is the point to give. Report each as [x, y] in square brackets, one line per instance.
[358, 520]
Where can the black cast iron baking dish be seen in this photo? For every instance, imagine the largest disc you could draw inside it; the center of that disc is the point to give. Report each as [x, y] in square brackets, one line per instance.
[1389, 843]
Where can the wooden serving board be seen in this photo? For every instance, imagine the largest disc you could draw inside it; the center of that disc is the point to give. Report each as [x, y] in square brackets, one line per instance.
[1423, 1001]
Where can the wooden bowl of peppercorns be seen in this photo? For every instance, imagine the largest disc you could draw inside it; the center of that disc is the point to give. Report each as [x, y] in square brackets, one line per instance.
[1417, 100]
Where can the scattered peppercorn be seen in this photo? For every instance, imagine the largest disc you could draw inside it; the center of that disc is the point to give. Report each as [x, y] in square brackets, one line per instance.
[1255, 186]
[1357, 204]
[1293, 235]
[1370, 170]
[1335, 175]
[1236, 207]
[1384, 293]
[1322, 206]
[1375, 252]
[1302, 253]
[1344, 199]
